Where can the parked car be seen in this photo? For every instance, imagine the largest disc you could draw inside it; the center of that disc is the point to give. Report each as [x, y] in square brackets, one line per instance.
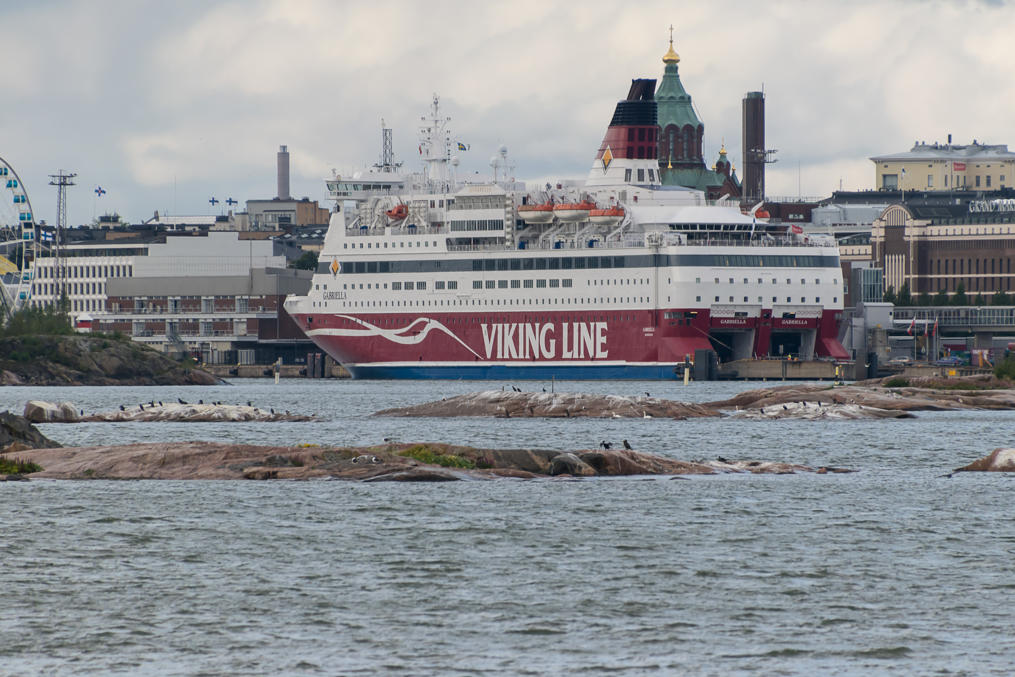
[951, 361]
[901, 361]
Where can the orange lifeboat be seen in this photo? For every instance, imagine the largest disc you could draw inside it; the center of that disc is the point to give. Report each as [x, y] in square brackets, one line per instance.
[398, 212]
[573, 211]
[536, 213]
[606, 217]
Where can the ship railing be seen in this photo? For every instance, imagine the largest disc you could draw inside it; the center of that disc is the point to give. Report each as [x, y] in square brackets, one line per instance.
[633, 241]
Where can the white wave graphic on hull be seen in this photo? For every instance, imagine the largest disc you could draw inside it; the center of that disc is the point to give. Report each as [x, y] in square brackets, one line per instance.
[393, 335]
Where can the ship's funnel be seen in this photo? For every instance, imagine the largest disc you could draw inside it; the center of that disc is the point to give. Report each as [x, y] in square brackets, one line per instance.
[283, 173]
[629, 151]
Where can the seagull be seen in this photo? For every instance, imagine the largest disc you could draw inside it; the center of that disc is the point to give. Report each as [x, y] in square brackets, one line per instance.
[627, 445]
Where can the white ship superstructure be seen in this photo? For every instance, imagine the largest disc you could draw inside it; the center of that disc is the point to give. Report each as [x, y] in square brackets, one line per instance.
[425, 276]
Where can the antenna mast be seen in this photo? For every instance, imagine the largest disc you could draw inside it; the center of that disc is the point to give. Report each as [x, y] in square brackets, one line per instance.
[61, 181]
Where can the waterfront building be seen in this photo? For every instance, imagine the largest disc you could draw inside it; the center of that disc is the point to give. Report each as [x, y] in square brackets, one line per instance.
[944, 247]
[279, 214]
[214, 296]
[87, 267]
[946, 167]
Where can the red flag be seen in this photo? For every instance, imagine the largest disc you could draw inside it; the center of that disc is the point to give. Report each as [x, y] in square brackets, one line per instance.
[959, 166]
[796, 229]
[912, 326]
[933, 331]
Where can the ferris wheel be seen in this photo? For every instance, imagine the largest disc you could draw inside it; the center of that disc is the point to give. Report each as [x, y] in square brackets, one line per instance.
[19, 241]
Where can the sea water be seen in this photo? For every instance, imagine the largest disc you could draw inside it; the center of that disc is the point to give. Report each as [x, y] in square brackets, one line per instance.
[895, 569]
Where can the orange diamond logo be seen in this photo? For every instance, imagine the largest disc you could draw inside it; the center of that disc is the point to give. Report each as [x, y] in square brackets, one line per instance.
[607, 159]
[335, 267]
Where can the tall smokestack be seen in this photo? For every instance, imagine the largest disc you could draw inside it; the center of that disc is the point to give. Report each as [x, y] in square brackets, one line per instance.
[754, 147]
[283, 173]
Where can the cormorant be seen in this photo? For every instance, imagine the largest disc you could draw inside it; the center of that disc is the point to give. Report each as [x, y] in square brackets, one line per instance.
[123, 408]
[249, 404]
[180, 400]
[721, 459]
[272, 411]
[605, 445]
[200, 401]
[647, 394]
[627, 445]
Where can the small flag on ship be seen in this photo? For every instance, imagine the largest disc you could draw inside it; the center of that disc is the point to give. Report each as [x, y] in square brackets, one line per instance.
[463, 146]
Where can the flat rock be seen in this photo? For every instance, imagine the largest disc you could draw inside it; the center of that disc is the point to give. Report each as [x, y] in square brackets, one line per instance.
[552, 405]
[174, 411]
[393, 462]
[810, 411]
[1000, 460]
[889, 394]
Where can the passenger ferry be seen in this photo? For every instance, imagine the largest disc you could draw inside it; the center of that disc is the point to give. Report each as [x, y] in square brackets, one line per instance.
[620, 277]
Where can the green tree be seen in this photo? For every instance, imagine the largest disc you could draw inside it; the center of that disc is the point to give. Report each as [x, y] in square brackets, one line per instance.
[978, 300]
[924, 299]
[904, 298]
[1001, 299]
[959, 298]
[889, 296]
[48, 320]
[941, 298]
[306, 262]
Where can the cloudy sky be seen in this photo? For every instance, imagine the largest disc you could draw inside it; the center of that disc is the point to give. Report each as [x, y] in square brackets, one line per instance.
[165, 104]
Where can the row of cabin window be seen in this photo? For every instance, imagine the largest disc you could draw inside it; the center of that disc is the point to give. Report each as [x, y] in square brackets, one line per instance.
[401, 245]
[697, 280]
[521, 284]
[775, 299]
[485, 302]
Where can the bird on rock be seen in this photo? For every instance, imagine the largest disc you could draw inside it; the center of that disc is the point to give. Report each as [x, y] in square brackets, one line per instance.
[627, 445]
[605, 445]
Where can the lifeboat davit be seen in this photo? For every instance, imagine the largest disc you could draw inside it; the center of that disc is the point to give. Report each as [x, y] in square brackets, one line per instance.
[573, 211]
[398, 212]
[536, 213]
[606, 217]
